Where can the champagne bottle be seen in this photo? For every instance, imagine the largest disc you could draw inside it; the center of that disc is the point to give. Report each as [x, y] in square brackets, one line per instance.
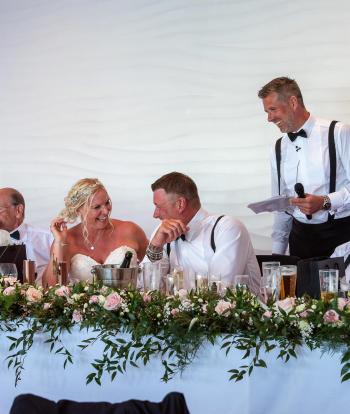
[127, 260]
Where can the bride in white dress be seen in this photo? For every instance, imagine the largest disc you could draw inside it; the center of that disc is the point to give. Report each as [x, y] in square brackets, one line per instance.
[97, 239]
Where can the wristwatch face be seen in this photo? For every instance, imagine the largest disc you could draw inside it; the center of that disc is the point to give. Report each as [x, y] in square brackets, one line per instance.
[326, 203]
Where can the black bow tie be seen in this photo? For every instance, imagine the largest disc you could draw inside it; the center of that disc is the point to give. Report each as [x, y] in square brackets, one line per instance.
[293, 135]
[182, 237]
[15, 235]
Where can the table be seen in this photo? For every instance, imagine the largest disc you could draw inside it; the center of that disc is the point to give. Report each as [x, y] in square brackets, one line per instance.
[309, 384]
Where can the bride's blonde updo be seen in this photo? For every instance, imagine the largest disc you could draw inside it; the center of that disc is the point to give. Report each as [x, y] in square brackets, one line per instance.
[81, 193]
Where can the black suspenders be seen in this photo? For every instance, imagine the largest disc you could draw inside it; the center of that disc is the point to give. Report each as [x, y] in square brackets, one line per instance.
[212, 239]
[332, 159]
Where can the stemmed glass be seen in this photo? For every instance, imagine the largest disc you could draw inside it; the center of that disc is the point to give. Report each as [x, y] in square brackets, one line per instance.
[8, 269]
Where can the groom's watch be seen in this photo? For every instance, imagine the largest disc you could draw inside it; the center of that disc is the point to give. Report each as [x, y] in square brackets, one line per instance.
[326, 203]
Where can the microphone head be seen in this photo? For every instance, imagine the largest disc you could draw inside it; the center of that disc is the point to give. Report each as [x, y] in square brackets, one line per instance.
[299, 189]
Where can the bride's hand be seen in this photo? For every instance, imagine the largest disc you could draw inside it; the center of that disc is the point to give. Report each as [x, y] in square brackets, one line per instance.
[59, 230]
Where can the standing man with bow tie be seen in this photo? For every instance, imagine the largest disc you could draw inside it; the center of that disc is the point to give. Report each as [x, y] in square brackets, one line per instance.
[190, 237]
[36, 240]
[315, 153]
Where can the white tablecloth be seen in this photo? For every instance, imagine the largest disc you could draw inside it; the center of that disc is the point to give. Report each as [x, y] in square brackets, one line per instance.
[309, 384]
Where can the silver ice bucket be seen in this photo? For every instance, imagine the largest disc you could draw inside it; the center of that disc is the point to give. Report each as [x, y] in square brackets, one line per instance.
[113, 276]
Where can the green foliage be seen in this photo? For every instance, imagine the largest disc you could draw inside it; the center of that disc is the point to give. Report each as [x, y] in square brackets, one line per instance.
[135, 327]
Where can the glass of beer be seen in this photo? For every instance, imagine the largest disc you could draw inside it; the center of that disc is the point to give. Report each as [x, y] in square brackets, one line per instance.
[329, 284]
[288, 281]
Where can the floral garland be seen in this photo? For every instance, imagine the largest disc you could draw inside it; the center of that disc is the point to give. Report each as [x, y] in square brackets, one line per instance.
[172, 328]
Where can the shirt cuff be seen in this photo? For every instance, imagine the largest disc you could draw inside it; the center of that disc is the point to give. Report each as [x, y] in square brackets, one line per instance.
[336, 200]
[279, 248]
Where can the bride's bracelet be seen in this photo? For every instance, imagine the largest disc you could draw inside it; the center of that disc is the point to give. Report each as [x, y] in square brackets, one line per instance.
[59, 243]
[154, 253]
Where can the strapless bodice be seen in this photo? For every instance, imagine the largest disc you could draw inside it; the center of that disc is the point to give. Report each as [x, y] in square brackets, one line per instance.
[81, 264]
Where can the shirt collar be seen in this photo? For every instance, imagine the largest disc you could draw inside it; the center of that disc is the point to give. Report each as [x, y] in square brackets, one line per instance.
[195, 224]
[308, 125]
[20, 229]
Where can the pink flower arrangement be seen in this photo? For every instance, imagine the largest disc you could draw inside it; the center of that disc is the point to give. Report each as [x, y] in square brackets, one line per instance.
[286, 304]
[267, 314]
[77, 316]
[223, 307]
[331, 317]
[342, 303]
[10, 290]
[62, 291]
[10, 280]
[93, 299]
[113, 301]
[146, 297]
[33, 295]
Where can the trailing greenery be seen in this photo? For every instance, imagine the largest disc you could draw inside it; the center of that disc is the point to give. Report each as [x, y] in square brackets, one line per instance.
[136, 326]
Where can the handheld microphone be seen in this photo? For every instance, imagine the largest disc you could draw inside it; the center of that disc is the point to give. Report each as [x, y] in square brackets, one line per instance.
[299, 189]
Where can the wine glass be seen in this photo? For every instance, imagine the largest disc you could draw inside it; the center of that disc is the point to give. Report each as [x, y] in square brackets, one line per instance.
[8, 269]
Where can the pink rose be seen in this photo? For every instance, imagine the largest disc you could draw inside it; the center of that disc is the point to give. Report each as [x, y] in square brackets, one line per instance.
[9, 290]
[267, 314]
[46, 306]
[113, 301]
[286, 304]
[182, 294]
[62, 291]
[331, 316]
[342, 303]
[93, 299]
[33, 295]
[10, 280]
[222, 307]
[146, 297]
[77, 316]
[305, 313]
[174, 311]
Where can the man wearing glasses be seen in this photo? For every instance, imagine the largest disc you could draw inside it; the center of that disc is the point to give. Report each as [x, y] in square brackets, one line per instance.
[37, 241]
[315, 153]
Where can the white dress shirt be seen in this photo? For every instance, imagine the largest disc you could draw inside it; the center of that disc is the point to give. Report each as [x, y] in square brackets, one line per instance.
[38, 243]
[343, 251]
[306, 160]
[234, 253]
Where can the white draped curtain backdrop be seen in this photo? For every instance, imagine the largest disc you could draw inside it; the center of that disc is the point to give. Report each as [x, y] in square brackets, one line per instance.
[129, 90]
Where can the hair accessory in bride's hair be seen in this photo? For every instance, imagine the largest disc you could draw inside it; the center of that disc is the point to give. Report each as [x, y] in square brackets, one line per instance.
[78, 195]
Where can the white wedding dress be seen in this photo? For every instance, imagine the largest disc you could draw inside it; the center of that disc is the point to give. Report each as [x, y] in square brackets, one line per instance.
[81, 265]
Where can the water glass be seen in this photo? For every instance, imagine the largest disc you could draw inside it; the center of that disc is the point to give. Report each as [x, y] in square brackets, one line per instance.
[214, 282]
[241, 281]
[270, 281]
[151, 276]
[169, 285]
[8, 269]
[179, 279]
[329, 283]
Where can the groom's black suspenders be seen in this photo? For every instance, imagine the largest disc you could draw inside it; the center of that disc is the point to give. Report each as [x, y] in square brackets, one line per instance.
[212, 240]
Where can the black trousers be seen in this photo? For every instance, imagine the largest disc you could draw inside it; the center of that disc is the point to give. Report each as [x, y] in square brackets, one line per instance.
[313, 240]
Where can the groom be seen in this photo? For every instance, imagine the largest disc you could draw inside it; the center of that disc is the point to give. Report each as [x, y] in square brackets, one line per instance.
[191, 237]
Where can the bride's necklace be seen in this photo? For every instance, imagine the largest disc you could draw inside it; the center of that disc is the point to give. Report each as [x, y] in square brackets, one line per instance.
[92, 245]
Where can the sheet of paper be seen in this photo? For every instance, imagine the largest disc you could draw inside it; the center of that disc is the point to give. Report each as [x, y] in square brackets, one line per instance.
[278, 203]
